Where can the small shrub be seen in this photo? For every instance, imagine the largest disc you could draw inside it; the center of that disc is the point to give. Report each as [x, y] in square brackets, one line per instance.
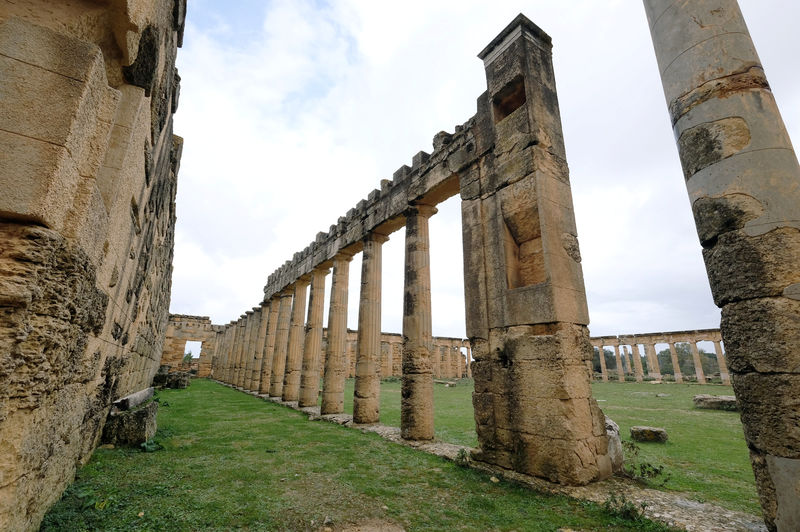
[643, 472]
[619, 506]
[462, 458]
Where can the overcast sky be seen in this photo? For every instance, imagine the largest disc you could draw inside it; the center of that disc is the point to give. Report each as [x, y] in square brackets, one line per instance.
[292, 111]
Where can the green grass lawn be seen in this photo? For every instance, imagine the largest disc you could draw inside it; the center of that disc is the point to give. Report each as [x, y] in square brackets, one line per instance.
[706, 453]
[232, 461]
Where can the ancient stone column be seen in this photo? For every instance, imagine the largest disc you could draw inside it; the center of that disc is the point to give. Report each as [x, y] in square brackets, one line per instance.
[698, 365]
[366, 399]
[743, 180]
[654, 370]
[628, 360]
[676, 368]
[247, 350]
[723, 367]
[222, 374]
[309, 379]
[294, 353]
[261, 338]
[281, 343]
[603, 370]
[620, 369]
[241, 340]
[336, 363]
[469, 360]
[637, 363]
[416, 397]
[251, 348]
[269, 346]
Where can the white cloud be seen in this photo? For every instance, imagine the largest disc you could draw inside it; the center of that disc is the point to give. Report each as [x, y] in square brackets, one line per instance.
[291, 121]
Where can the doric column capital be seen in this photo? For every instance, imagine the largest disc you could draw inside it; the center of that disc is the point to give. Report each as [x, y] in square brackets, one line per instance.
[376, 237]
[425, 211]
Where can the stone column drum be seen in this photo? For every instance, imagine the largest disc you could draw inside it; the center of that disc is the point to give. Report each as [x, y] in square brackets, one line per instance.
[309, 379]
[743, 180]
[416, 396]
[294, 350]
[366, 399]
[525, 298]
[335, 352]
[281, 343]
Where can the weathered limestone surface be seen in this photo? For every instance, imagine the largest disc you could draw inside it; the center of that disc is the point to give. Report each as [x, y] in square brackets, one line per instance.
[88, 179]
[743, 180]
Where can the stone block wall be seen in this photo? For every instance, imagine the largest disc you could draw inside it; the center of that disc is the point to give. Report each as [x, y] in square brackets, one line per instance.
[182, 328]
[88, 181]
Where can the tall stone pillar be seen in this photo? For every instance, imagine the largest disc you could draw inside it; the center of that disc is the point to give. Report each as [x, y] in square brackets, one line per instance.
[294, 353]
[309, 379]
[281, 343]
[603, 369]
[676, 368]
[723, 367]
[628, 360]
[698, 365]
[654, 370]
[469, 359]
[743, 181]
[366, 400]
[261, 338]
[255, 318]
[525, 298]
[416, 403]
[637, 363]
[336, 364]
[226, 352]
[241, 340]
[247, 350]
[269, 346]
[620, 369]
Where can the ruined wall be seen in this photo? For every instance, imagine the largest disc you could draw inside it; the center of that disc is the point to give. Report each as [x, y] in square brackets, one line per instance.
[182, 328]
[88, 180]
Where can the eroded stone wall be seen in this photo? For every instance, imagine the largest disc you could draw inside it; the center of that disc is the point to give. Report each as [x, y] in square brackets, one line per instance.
[88, 181]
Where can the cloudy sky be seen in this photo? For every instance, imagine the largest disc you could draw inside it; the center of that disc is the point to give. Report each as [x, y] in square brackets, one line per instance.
[294, 110]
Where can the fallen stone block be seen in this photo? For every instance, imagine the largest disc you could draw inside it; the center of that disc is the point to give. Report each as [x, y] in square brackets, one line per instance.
[131, 427]
[178, 379]
[133, 400]
[648, 434]
[716, 402]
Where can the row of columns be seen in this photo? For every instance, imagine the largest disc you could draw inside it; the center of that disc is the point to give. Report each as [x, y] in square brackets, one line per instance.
[629, 361]
[275, 349]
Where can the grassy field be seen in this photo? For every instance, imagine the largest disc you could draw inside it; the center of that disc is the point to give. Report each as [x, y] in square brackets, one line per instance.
[232, 461]
[705, 455]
